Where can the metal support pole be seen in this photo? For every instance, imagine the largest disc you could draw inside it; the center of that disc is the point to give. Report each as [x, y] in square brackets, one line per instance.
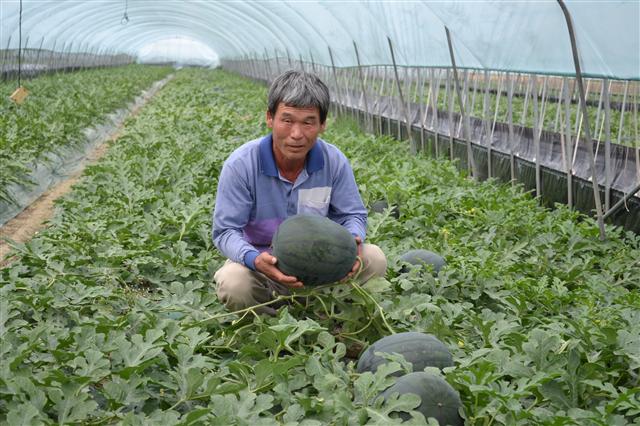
[497, 108]
[67, 61]
[544, 103]
[38, 54]
[579, 120]
[465, 100]
[485, 120]
[262, 69]
[364, 90]
[598, 135]
[268, 65]
[636, 132]
[5, 61]
[568, 142]
[335, 79]
[313, 63]
[474, 92]
[380, 98]
[536, 135]
[423, 108]
[435, 124]
[275, 51]
[558, 106]
[408, 83]
[512, 160]
[471, 164]
[289, 59]
[622, 110]
[404, 105]
[351, 90]
[523, 118]
[392, 104]
[449, 97]
[58, 58]
[367, 84]
[583, 106]
[607, 143]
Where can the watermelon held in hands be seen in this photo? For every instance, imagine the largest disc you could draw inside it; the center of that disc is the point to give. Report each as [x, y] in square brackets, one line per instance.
[420, 349]
[422, 257]
[314, 249]
[438, 399]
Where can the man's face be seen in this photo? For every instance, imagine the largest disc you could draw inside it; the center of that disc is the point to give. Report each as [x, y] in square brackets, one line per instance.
[294, 131]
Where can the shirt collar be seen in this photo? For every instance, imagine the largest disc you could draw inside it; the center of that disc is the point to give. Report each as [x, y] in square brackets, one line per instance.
[315, 159]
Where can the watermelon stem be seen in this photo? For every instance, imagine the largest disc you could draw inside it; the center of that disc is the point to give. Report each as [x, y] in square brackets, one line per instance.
[326, 311]
[250, 309]
[365, 294]
[367, 325]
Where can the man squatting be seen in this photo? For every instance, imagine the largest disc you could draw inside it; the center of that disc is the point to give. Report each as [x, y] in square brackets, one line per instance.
[287, 172]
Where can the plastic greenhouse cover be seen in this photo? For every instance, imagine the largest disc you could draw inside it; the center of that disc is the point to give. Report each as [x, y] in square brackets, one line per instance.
[522, 36]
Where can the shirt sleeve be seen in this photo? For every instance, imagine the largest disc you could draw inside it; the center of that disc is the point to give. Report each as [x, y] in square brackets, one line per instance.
[347, 207]
[234, 201]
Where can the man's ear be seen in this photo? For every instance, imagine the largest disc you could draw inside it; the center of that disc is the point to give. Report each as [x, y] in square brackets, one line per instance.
[323, 126]
[269, 119]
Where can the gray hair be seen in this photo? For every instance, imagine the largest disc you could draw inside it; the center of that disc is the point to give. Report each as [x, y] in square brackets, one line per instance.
[301, 90]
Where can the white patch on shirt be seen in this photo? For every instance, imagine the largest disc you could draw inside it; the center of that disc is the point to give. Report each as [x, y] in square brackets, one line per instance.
[314, 201]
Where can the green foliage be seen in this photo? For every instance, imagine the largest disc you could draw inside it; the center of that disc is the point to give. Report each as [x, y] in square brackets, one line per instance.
[58, 109]
[110, 315]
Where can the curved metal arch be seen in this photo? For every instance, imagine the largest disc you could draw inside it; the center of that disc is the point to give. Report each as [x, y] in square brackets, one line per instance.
[102, 21]
[311, 25]
[109, 13]
[342, 22]
[123, 38]
[102, 24]
[279, 22]
[282, 37]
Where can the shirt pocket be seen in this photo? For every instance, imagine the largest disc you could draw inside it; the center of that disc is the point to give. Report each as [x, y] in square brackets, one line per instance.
[314, 201]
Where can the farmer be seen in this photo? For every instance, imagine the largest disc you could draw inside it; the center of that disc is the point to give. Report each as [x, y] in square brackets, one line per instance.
[287, 172]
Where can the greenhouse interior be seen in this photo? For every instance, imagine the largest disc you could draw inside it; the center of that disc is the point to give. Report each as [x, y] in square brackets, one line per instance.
[320, 212]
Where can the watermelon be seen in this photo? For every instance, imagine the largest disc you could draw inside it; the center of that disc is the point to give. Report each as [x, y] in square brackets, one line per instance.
[314, 249]
[420, 349]
[422, 257]
[439, 399]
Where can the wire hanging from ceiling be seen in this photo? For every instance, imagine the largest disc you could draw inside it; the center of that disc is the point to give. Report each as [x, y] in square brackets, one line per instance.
[125, 16]
[20, 45]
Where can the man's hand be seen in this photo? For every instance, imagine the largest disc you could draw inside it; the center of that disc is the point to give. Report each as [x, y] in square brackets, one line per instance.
[356, 265]
[266, 264]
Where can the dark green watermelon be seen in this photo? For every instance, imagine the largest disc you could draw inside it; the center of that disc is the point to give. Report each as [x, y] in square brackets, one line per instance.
[314, 249]
[422, 257]
[420, 349]
[439, 399]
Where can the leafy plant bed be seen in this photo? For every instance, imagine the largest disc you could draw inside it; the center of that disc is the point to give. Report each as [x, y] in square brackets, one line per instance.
[110, 314]
[58, 109]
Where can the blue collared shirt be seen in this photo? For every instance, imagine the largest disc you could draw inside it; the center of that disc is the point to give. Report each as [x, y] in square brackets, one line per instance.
[253, 198]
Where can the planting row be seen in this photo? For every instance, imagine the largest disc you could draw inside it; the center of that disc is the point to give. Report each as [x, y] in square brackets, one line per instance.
[57, 110]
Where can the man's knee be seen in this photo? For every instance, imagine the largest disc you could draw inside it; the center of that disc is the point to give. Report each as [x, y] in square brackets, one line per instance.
[233, 285]
[375, 262]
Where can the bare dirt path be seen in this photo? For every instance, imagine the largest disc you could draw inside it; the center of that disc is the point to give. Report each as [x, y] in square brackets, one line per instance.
[34, 218]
